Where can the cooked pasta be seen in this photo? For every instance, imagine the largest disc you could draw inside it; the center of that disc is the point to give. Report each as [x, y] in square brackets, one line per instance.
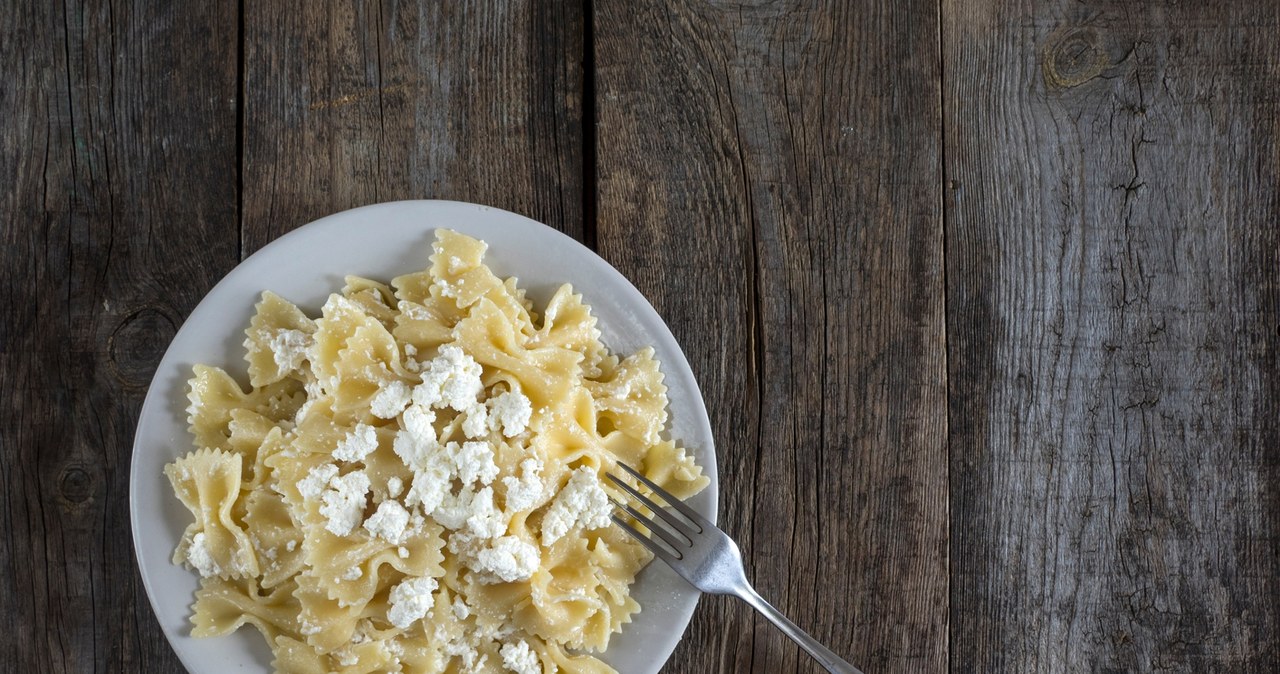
[413, 481]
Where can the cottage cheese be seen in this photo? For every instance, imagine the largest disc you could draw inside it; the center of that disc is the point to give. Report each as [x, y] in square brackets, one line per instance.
[581, 503]
[483, 518]
[451, 379]
[416, 441]
[455, 509]
[289, 349]
[343, 502]
[520, 659]
[388, 522]
[525, 491]
[316, 480]
[362, 440]
[429, 489]
[473, 461]
[419, 423]
[410, 601]
[199, 556]
[476, 423]
[510, 412]
[460, 609]
[508, 558]
[390, 400]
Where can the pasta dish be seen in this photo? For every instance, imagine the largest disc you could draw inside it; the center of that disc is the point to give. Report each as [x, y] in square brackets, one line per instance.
[412, 482]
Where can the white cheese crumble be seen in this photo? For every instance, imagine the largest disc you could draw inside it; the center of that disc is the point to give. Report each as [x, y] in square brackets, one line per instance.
[419, 422]
[473, 461]
[362, 440]
[395, 486]
[429, 489]
[343, 502]
[316, 480]
[289, 349]
[353, 573]
[451, 379]
[472, 512]
[454, 509]
[508, 558]
[390, 400]
[520, 659]
[388, 522]
[410, 601]
[483, 518]
[417, 438]
[524, 492]
[199, 556]
[460, 609]
[582, 502]
[476, 423]
[510, 412]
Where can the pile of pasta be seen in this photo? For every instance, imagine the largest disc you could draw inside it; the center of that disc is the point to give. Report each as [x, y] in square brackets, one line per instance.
[392, 578]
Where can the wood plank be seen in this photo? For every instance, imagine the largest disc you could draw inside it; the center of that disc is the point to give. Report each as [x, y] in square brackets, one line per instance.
[1113, 303]
[349, 104]
[118, 157]
[768, 177]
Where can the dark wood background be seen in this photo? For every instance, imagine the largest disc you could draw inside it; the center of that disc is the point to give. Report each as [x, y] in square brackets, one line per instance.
[983, 295]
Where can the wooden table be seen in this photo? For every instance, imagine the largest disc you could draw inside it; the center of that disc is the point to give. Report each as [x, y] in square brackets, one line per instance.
[983, 295]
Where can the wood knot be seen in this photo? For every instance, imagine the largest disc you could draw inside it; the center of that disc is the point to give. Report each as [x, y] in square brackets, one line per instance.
[1073, 56]
[75, 485]
[136, 345]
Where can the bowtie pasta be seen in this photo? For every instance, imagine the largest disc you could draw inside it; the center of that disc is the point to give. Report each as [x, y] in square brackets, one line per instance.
[413, 481]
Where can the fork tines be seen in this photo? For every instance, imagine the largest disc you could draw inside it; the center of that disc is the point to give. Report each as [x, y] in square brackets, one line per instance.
[677, 534]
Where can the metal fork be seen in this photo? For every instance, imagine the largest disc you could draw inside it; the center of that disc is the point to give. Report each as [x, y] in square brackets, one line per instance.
[706, 557]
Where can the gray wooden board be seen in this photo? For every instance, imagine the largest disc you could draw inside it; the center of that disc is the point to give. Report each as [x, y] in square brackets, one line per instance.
[1113, 312]
[118, 166]
[768, 177]
[350, 104]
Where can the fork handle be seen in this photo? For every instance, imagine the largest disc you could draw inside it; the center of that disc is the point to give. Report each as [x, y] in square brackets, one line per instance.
[822, 654]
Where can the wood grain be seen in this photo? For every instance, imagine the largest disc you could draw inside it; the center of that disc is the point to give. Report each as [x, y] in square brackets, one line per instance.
[768, 177]
[1113, 310]
[350, 104]
[117, 160]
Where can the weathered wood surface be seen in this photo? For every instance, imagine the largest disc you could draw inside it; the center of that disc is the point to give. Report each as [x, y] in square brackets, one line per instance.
[119, 206]
[983, 296]
[768, 177]
[348, 104]
[1113, 310]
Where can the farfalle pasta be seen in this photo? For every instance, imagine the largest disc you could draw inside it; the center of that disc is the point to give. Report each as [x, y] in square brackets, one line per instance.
[412, 483]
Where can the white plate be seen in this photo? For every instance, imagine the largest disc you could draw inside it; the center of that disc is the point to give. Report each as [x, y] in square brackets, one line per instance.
[380, 242]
